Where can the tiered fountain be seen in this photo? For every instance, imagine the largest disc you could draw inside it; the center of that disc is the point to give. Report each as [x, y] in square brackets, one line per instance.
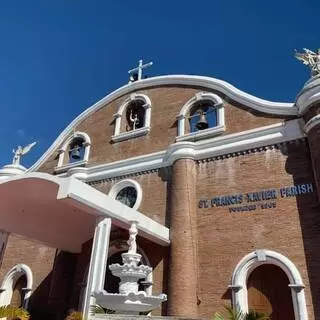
[129, 300]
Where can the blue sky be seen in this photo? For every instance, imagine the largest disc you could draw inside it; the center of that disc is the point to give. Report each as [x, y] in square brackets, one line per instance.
[59, 57]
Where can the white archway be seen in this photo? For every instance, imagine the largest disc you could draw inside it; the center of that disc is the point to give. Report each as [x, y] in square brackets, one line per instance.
[9, 282]
[260, 257]
[120, 136]
[211, 132]
[61, 166]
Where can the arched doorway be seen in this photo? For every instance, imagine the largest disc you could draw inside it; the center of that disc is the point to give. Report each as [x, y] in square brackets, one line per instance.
[269, 292]
[18, 292]
[257, 259]
[17, 286]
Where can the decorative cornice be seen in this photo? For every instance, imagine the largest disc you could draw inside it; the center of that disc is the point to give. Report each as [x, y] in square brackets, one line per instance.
[254, 150]
[122, 177]
[276, 108]
[210, 148]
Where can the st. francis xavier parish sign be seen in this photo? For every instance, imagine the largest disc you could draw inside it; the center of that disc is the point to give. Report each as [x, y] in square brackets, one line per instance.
[265, 199]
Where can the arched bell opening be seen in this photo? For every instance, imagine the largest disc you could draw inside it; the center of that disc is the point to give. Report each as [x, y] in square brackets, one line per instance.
[76, 150]
[202, 116]
[135, 115]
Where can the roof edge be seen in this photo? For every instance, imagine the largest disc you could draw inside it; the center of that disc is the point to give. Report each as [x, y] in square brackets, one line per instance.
[265, 106]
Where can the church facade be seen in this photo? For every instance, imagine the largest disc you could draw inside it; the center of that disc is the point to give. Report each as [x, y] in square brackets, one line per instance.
[225, 187]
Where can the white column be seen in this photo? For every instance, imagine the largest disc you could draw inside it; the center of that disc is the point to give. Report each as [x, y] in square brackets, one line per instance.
[98, 262]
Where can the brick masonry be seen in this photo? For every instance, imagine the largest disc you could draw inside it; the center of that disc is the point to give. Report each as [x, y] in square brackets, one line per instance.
[223, 238]
[166, 105]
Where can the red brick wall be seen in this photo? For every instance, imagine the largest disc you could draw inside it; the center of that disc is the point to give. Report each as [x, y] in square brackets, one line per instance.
[166, 105]
[292, 228]
[154, 193]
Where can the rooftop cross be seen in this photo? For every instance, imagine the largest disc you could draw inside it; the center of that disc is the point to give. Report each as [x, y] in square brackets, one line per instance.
[136, 73]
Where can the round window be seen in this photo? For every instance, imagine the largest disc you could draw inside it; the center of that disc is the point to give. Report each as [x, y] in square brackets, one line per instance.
[127, 196]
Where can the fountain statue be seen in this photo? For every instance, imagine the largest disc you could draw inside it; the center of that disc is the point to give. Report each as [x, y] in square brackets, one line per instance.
[129, 300]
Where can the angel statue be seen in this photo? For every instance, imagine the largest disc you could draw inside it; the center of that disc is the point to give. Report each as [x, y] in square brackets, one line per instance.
[133, 231]
[20, 152]
[311, 59]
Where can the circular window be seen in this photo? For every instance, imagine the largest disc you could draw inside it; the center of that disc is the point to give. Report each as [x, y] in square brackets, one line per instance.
[127, 196]
[127, 192]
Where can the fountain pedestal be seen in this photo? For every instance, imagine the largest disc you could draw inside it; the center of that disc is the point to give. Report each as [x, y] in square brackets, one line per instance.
[129, 300]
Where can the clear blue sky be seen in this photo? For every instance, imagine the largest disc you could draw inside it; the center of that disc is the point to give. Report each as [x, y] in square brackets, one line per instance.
[58, 57]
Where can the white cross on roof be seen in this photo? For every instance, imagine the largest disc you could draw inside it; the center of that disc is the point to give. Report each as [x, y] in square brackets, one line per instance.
[139, 69]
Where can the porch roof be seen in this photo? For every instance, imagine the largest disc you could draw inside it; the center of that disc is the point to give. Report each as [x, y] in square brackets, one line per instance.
[62, 212]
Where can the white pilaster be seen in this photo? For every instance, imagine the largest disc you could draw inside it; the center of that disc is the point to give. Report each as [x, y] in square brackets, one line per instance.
[98, 262]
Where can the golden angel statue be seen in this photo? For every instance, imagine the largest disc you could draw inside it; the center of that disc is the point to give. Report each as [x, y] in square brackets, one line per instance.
[311, 59]
[20, 152]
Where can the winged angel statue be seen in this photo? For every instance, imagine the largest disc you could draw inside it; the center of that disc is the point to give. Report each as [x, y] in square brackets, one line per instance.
[311, 59]
[20, 152]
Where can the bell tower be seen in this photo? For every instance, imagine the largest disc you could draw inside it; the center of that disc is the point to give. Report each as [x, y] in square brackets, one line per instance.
[308, 103]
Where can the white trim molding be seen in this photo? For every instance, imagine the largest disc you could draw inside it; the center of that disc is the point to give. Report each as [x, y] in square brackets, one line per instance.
[231, 143]
[309, 95]
[312, 123]
[116, 188]
[9, 282]
[260, 257]
[203, 134]
[120, 136]
[268, 107]
[61, 167]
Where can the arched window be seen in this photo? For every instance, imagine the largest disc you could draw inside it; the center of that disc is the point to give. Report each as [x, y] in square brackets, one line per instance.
[251, 288]
[17, 286]
[128, 192]
[201, 117]
[74, 152]
[132, 118]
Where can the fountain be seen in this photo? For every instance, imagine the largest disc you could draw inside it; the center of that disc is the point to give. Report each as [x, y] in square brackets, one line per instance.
[129, 300]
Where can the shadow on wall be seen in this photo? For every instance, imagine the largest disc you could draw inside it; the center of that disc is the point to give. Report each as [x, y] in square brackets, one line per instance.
[51, 299]
[299, 165]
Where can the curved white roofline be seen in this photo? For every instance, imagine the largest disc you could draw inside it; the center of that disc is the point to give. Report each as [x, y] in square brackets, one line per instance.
[34, 175]
[269, 107]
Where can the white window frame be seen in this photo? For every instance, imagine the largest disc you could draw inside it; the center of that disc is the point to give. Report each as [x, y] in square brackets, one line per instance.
[116, 188]
[258, 258]
[201, 134]
[9, 282]
[121, 136]
[62, 152]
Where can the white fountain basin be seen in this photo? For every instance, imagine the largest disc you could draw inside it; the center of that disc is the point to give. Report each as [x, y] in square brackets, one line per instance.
[132, 302]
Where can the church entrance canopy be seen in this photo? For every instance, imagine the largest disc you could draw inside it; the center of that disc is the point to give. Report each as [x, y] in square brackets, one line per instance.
[63, 212]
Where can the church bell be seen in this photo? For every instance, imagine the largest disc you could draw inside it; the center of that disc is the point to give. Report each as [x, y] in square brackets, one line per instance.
[202, 122]
[75, 153]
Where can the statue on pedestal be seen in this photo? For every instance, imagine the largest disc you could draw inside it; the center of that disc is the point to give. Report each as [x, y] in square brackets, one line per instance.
[20, 151]
[134, 120]
[311, 59]
[133, 231]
